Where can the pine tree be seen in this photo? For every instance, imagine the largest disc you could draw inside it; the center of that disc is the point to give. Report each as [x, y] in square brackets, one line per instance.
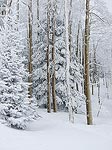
[14, 102]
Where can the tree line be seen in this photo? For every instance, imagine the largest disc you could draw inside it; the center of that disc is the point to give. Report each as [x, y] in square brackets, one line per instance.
[50, 57]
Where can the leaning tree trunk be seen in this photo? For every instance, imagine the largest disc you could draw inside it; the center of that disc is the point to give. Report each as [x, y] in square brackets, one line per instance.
[86, 75]
[48, 61]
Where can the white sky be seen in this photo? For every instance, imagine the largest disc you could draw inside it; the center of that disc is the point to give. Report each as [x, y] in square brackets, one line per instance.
[109, 4]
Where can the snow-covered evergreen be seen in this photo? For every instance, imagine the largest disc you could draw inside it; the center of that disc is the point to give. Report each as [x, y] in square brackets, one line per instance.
[40, 66]
[15, 106]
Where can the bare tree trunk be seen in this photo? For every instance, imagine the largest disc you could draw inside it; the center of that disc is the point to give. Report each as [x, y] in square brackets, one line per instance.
[99, 100]
[95, 62]
[83, 49]
[38, 18]
[30, 68]
[70, 102]
[92, 89]
[17, 9]
[53, 61]
[37, 10]
[70, 28]
[94, 68]
[77, 48]
[48, 62]
[86, 75]
[77, 51]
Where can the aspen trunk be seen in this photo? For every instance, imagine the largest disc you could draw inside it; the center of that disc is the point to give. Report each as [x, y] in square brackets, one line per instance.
[99, 100]
[70, 102]
[70, 28]
[17, 9]
[48, 62]
[77, 48]
[94, 69]
[77, 51]
[92, 89]
[53, 61]
[30, 68]
[86, 75]
[37, 19]
[37, 10]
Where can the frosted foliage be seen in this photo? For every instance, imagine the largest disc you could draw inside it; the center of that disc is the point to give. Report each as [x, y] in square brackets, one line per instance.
[40, 61]
[14, 102]
[40, 68]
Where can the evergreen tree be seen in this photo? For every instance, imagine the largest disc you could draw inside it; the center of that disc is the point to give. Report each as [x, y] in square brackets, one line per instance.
[14, 103]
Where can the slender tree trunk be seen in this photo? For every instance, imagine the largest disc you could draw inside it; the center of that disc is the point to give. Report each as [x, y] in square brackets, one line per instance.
[77, 48]
[70, 102]
[86, 75]
[77, 51]
[94, 69]
[37, 19]
[53, 61]
[83, 50]
[17, 9]
[37, 10]
[30, 68]
[70, 28]
[92, 89]
[95, 62]
[48, 61]
[99, 100]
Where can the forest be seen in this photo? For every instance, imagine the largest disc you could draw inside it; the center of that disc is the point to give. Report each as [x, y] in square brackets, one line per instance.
[56, 74]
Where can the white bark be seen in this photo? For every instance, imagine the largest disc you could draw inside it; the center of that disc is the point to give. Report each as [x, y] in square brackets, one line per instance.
[70, 102]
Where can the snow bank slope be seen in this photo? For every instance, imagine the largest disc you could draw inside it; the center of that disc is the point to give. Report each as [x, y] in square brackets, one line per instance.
[53, 132]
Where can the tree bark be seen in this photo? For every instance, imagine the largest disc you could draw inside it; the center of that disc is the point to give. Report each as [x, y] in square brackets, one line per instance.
[70, 28]
[37, 10]
[17, 10]
[37, 19]
[53, 61]
[30, 68]
[77, 48]
[86, 75]
[70, 102]
[48, 62]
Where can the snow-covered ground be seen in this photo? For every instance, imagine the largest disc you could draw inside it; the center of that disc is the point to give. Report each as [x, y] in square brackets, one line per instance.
[54, 132]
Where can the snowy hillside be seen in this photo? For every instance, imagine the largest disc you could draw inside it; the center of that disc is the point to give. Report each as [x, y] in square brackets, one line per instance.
[54, 132]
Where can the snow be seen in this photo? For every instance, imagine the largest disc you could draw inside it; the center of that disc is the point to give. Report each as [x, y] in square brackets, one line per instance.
[54, 132]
